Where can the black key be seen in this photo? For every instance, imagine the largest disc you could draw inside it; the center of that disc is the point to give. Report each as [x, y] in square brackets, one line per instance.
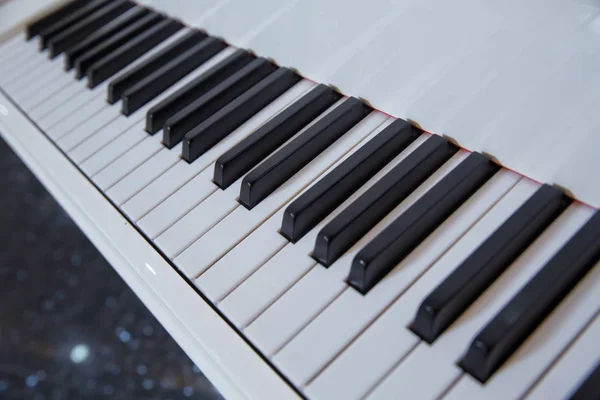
[47, 21]
[470, 279]
[161, 79]
[402, 236]
[590, 388]
[254, 148]
[103, 34]
[129, 52]
[525, 312]
[218, 97]
[326, 195]
[97, 53]
[160, 113]
[119, 85]
[70, 20]
[86, 27]
[213, 130]
[363, 214]
[281, 166]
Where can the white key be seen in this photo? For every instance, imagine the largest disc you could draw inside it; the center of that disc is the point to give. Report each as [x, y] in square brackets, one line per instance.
[167, 216]
[244, 259]
[452, 344]
[65, 112]
[101, 138]
[227, 273]
[184, 200]
[25, 51]
[144, 174]
[13, 47]
[21, 68]
[198, 221]
[269, 332]
[101, 118]
[542, 348]
[54, 100]
[123, 165]
[36, 96]
[124, 141]
[571, 370]
[182, 172]
[39, 72]
[248, 300]
[241, 222]
[58, 132]
[352, 312]
[319, 287]
[48, 75]
[367, 359]
[66, 108]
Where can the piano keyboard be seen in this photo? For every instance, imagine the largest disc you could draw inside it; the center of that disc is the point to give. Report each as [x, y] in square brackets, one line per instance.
[360, 256]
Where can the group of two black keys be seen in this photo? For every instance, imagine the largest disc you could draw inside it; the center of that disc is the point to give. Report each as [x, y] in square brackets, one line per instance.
[213, 105]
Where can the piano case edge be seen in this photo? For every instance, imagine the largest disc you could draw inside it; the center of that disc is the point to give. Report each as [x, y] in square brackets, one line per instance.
[235, 369]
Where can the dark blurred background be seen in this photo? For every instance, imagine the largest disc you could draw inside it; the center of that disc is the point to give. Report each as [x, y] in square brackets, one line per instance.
[70, 328]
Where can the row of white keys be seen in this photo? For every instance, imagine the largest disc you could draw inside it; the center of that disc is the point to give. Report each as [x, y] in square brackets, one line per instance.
[269, 282]
[73, 128]
[349, 314]
[190, 194]
[178, 230]
[39, 69]
[12, 48]
[153, 195]
[163, 160]
[126, 163]
[253, 253]
[278, 323]
[14, 67]
[574, 366]
[432, 379]
[46, 100]
[241, 222]
[53, 79]
[368, 357]
[537, 354]
[264, 288]
[102, 147]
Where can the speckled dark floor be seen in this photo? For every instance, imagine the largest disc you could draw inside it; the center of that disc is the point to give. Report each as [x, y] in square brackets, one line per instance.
[70, 328]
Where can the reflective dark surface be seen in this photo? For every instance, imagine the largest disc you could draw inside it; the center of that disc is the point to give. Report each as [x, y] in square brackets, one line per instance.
[70, 328]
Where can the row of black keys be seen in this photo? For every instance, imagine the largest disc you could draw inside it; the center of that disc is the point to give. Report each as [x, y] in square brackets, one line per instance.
[216, 103]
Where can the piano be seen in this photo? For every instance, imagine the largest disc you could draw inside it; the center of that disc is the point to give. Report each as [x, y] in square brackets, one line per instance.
[332, 200]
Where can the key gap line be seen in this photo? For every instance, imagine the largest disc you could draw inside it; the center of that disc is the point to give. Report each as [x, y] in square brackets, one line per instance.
[389, 372]
[562, 353]
[107, 143]
[248, 275]
[310, 320]
[170, 225]
[81, 89]
[104, 104]
[168, 167]
[452, 384]
[91, 134]
[175, 191]
[117, 157]
[74, 111]
[264, 309]
[133, 170]
[207, 230]
[411, 284]
[42, 100]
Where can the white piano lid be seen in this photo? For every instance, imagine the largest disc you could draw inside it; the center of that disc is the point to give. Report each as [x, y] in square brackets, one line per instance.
[518, 80]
